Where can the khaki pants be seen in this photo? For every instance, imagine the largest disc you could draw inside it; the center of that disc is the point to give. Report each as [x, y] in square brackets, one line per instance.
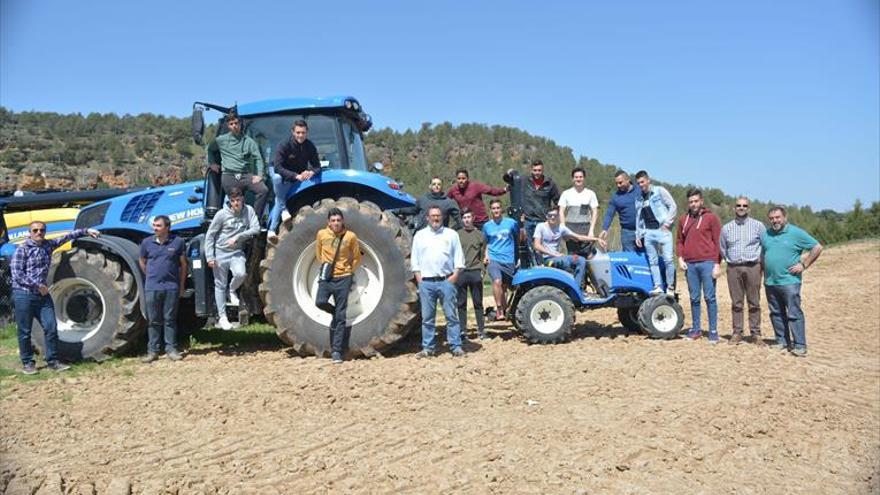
[744, 282]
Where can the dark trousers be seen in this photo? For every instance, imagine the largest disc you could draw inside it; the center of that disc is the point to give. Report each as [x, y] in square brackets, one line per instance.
[744, 282]
[786, 315]
[27, 307]
[162, 316]
[245, 184]
[470, 280]
[338, 287]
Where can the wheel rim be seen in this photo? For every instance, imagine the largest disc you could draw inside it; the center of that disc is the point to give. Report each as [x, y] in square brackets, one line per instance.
[79, 309]
[664, 318]
[366, 287]
[547, 317]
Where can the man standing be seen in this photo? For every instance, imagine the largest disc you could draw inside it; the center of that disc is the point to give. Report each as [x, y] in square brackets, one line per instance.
[502, 234]
[546, 242]
[469, 195]
[539, 194]
[655, 214]
[579, 209]
[783, 246]
[163, 259]
[471, 278]
[623, 202]
[224, 250]
[296, 160]
[30, 293]
[741, 248]
[435, 197]
[233, 154]
[437, 259]
[699, 255]
[339, 247]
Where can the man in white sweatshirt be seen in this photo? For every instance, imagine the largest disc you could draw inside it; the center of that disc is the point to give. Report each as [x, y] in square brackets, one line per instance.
[230, 228]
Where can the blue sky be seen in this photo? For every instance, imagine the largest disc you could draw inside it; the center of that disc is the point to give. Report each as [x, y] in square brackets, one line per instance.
[776, 100]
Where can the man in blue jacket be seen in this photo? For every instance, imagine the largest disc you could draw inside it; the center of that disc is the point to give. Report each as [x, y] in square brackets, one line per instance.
[623, 202]
[655, 214]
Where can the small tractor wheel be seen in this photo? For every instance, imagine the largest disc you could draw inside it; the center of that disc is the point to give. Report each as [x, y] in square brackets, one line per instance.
[545, 315]
[661, 317]
[629, 318]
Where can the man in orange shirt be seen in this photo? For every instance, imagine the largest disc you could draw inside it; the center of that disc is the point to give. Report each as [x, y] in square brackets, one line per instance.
[340, 254]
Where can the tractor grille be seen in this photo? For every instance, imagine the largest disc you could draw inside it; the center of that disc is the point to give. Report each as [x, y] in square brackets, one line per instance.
[139, 207]
[91, 216]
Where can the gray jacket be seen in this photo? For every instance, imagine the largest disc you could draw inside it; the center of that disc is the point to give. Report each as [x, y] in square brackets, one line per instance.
[227, 225]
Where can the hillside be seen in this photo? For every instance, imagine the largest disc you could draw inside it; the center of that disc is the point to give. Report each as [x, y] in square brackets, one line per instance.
[45, 150]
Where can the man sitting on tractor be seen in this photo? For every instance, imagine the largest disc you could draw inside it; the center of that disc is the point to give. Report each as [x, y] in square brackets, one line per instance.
[546, 243]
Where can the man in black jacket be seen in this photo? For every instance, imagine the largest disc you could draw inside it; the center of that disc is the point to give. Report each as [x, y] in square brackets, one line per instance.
[296, 160]
[538, 194]
[435, 197]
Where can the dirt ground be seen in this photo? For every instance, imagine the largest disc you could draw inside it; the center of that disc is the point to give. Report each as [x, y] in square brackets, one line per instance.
[606, 412]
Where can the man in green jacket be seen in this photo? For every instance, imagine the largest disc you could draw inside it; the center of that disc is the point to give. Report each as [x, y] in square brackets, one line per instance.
[232, 154]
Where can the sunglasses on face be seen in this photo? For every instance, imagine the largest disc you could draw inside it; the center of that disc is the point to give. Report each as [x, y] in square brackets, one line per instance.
[742, 206]
[37, 230]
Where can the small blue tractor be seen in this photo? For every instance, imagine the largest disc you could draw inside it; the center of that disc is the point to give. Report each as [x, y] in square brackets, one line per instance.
[98, 287]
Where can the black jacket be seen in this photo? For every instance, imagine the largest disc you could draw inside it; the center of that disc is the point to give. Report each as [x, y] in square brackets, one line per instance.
[292, 158]
[449, 208]
[534, 201]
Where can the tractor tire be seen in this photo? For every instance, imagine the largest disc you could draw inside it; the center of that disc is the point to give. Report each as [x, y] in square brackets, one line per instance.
[96, 306]
[383, 305]
[545, 315]
[629, 318]
[661, 317]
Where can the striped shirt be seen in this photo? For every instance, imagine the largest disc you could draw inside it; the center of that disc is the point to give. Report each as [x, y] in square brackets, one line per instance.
[31, 261]
[741, 241]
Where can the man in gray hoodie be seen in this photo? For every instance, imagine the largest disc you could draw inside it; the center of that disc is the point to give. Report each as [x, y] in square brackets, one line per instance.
[435, 197]
[230, 228]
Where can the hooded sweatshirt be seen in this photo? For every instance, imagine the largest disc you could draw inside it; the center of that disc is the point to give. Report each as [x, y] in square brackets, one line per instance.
[449, 208]
[228, 225]
[699, 237]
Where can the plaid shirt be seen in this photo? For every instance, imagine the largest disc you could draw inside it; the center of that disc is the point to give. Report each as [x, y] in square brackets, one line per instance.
[30, 263]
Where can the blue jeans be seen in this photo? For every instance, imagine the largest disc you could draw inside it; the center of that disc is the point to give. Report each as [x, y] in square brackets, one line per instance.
[281, 188]
[569, 263]
[628, 241]
[658, 242]
[786, 315]
[699, 275]
[162, 316]
[27, 307]
[446, 292]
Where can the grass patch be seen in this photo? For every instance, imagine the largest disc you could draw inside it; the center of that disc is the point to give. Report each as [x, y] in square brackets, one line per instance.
[255, 335]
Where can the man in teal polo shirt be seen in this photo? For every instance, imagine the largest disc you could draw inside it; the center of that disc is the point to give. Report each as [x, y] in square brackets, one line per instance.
[783, 245]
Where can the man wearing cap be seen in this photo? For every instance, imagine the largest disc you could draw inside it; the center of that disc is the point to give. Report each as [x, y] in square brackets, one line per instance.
[233, 155]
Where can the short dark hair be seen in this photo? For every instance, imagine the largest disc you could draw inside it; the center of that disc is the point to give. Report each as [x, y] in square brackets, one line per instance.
[621, 172]
[578, 169]
[464, 171]
[467, 211]
[776, 208]
[335, 212]
[232, 114]
[234, 192]
[537, 161]
[433, 207]
[300, 123]
[40, 222]
[493, 201]
[164, 219]
[641, 173]
[552, 209]
[694, 192]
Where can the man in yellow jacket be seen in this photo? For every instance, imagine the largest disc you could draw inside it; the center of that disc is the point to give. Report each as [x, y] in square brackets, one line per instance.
[340, 254]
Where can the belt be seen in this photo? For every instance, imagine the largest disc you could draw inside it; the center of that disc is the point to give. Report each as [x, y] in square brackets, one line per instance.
[744, 263]
[237, 176]
[435, 279]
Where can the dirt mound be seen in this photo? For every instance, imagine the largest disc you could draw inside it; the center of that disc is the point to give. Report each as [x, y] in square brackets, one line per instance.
[607, 412]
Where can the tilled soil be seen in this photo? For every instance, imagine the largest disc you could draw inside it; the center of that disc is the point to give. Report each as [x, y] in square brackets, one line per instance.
[607, 412]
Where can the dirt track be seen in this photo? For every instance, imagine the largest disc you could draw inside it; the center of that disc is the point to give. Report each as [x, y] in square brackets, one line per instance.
[606, 412]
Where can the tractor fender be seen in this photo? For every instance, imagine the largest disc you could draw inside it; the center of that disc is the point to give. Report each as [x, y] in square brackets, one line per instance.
[126, 250]
[385, 192]
[545, 275]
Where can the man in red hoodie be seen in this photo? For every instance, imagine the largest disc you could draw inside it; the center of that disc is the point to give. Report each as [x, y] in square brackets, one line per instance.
[469, 195]
[699, 255]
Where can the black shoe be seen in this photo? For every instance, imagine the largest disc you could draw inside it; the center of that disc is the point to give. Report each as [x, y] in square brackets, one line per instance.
[58, 366]
[336, 357]
[149, 358]
[29, 369]
[173, 355]
[424, 354]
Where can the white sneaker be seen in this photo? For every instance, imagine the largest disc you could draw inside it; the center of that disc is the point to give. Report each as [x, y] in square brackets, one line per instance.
[272, 237]
[670, 291]
[656, 291]
[285, 215]
[224, 324]
[233, 299]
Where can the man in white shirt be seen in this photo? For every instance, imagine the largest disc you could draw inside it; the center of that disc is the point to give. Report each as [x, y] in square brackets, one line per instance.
[546, 243]
[436, 260]
[579, 210]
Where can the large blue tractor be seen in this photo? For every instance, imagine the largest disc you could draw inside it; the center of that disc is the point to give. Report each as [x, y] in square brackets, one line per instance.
[98, 287]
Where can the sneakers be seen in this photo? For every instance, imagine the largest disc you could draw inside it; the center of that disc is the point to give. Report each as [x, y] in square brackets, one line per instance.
[233, 299]
[223, 323]
[694, 334]
[58, 366]
[778, 347]
[799, 352]
[336, 358]
[458, 352]
[713, 338]
[424, 354]
[29, 369]
[285, 215]
[670, 291]
[656, 291]
[272, 237]
[173, 355]
[484, 336]
[149, 358]
[735, 339]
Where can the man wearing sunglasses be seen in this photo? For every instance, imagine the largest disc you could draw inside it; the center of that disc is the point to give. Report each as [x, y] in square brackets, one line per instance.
[547, 238]
[30, 293]
[741, 248]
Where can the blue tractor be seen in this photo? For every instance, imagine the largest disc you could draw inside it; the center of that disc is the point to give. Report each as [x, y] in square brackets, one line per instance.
[98, 286]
